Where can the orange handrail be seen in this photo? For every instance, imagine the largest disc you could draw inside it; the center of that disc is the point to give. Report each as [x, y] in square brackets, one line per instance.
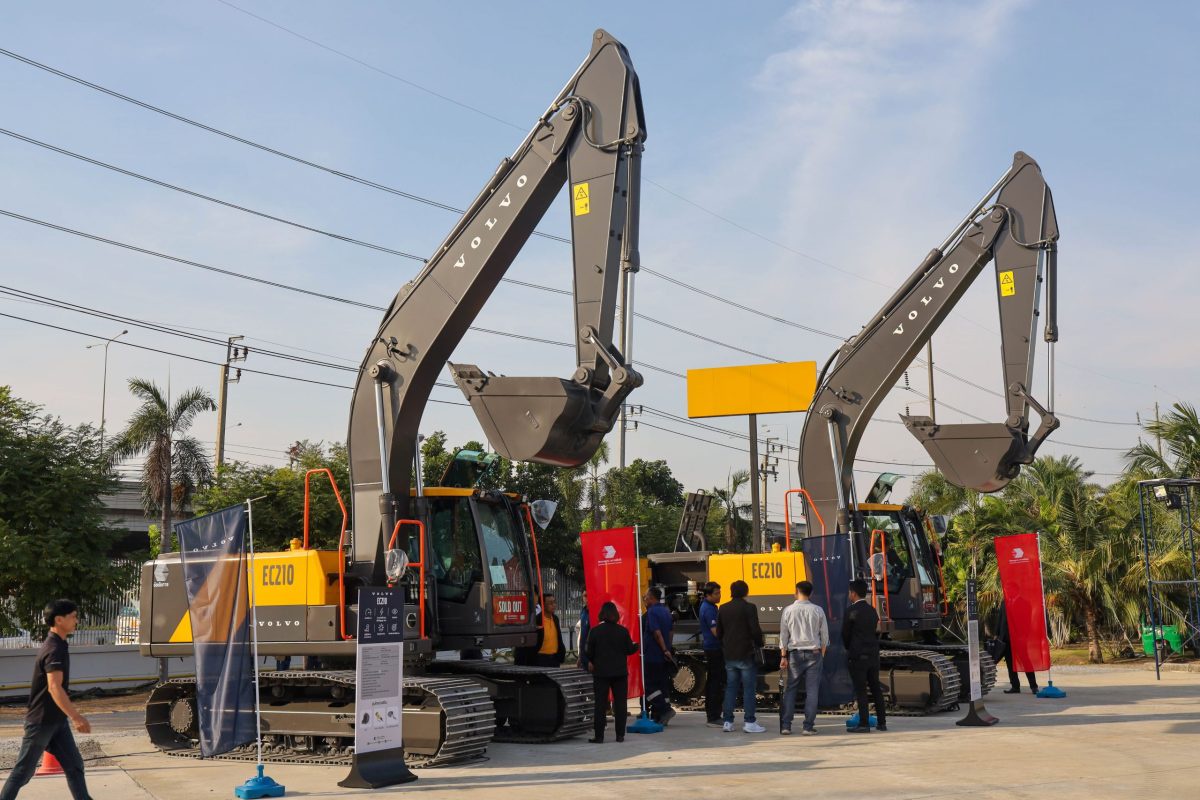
[341, 543]
[937, 551]
[336, 493]
[887, 601]
[787, 514]
[420, 564]
[537, 562]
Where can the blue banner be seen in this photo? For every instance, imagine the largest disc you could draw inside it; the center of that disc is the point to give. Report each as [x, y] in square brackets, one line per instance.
[212, 550]
[827, 562]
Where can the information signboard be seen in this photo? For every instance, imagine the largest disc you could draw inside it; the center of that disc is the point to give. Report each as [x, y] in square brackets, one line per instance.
[379, 680]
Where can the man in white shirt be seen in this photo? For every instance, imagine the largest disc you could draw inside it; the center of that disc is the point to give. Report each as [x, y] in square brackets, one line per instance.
[803, 638]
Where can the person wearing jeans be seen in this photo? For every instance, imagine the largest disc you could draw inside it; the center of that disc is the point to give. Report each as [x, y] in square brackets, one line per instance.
[741, 638]
[803, 638]
[51, 713]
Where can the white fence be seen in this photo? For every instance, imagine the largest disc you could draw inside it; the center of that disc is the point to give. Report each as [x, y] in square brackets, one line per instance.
[112, 620]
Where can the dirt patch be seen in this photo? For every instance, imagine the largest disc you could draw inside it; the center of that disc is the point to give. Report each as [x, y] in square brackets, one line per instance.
[88, 703]
[93, 755]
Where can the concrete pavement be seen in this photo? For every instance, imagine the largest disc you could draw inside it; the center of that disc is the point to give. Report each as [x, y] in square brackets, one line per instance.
[1118, 734]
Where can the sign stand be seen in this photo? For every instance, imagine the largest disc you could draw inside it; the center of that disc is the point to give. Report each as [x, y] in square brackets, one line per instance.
[1049, 691]
[260, 785]
[977, 714]
[378, 705]
[643, 724]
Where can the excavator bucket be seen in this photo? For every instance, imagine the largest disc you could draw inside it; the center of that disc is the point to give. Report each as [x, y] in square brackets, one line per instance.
[980, 456]
[547, 420]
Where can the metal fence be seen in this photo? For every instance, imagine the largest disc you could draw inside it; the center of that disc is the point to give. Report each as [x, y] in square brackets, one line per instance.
[111, 620]
[568, 592]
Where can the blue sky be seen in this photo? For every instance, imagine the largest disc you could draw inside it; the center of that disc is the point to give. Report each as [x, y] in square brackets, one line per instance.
[843, 139]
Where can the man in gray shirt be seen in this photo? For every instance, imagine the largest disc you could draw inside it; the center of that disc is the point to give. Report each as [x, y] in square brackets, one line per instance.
[803, 637]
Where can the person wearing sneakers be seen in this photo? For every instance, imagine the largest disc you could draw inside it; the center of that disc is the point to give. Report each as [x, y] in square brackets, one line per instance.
[803, 638]
[51, 713]
[862, 656]
[741, 638]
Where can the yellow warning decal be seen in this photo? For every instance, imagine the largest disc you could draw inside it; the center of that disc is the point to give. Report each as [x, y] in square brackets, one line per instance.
[1007, 287]
[582, 199]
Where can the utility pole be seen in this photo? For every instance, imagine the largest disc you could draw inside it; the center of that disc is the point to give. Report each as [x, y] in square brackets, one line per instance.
[755, 510]
[1157, 434]
[768, 470]
[233, 355]
[104, 384]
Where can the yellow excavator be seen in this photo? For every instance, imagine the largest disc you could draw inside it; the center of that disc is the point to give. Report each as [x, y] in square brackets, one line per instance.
[897, 548]
[465, 559]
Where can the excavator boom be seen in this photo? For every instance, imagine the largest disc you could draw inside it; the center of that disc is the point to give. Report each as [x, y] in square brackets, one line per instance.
[1014, 225]
[591, 138]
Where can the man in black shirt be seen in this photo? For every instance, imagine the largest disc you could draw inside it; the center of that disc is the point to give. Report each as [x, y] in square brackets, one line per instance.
[51, 712]
[862, 656]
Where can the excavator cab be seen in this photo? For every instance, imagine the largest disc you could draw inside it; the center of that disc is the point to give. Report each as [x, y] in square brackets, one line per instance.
[903, 568]
[480, 567]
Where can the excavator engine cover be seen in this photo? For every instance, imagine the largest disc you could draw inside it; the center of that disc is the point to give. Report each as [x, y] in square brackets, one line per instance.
[547, 420]
[980, 456]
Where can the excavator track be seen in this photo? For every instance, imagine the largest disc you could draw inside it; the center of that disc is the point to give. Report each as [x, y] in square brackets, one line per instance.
[958, 653]
[560, 698]
[931, 700]
[447, 720]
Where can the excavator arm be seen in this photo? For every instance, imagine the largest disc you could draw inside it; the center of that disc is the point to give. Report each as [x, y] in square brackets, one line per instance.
[1019, 232]
[590, 138]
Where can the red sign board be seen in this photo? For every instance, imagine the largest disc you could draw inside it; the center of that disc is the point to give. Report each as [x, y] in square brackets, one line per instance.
[510, 609]
[610, 572]
[1020, 565]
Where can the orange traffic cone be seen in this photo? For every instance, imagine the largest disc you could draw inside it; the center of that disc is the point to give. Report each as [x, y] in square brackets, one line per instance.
[49, 765]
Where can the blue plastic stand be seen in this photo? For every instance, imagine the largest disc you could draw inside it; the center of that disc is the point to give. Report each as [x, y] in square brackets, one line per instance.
[1051, 691]
[643, 724]
[259, 786]
[852, 722]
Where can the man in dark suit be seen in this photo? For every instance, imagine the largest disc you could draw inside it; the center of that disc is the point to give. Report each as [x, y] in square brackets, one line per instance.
[862, 656]
[608, 648]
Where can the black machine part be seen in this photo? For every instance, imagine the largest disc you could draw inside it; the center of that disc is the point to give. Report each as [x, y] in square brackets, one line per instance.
[1019, 231]
[591, 138]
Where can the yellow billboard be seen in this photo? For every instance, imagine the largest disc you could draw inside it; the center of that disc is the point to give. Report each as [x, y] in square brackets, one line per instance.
[753, 389]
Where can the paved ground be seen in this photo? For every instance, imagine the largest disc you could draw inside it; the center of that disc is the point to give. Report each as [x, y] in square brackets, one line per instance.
[1117, 735]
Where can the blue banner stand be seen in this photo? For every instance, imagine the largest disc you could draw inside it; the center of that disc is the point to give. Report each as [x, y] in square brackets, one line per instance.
[259, 786]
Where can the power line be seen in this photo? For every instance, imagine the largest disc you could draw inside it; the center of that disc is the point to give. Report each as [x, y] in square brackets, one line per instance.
[446, 207]
[196, 359]
[352, 240]
[249, 143]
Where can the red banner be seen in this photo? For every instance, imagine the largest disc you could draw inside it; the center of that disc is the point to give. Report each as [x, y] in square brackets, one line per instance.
[1021, 577]
[610, 573]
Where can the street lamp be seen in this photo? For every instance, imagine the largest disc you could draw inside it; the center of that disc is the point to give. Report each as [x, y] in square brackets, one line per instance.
[104, 385]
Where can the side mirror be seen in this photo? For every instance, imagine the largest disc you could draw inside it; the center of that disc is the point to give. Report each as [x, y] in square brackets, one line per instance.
[542, 512]
[395, 562]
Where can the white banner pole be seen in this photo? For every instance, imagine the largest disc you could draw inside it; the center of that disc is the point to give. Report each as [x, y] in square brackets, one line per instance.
[254, 631]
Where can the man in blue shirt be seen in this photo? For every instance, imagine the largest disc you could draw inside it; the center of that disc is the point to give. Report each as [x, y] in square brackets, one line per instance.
[657, 624]
[714, 659]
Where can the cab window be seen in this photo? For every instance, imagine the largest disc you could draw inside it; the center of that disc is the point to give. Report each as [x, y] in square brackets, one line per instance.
[456, 563]
[502, 546]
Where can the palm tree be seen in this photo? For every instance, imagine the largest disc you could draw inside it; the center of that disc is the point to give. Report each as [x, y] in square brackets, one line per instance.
[1179, 431]
[733, 510]
[175, 465]
[595, 481]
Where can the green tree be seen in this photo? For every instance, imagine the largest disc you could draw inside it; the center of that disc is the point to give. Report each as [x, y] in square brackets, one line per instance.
[52, 532]
[645, 493]
[176, 465]
[1179, 431]
[737, 534]
[279, 515]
